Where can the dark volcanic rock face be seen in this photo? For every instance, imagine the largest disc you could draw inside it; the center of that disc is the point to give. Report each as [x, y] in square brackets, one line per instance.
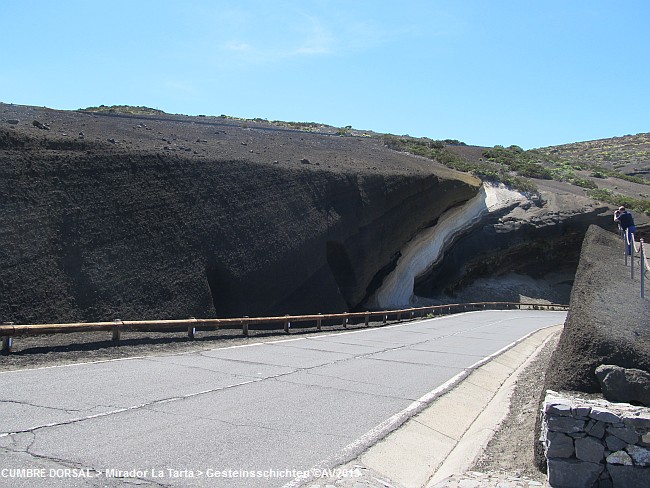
[608, 320]
[142, 218]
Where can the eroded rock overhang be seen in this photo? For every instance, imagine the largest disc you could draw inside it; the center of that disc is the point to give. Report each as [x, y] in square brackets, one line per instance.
[499, 233]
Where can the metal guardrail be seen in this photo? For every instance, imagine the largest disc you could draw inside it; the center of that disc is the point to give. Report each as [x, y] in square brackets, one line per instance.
[10, 330]
[631, 249]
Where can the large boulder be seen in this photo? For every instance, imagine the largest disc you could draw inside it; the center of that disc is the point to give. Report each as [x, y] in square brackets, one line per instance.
[627, 385]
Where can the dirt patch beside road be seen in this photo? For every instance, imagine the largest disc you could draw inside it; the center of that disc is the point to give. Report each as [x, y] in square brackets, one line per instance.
[510, 452]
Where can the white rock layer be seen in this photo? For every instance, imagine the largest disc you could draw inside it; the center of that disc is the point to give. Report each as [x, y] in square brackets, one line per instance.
[428, 247]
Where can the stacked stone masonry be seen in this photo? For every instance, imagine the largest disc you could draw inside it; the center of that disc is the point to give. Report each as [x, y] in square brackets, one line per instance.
[595, 443]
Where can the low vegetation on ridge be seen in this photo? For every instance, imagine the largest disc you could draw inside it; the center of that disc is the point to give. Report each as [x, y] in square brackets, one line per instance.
[583, 164]
[438, 150]
[580, 166]
[123, 109]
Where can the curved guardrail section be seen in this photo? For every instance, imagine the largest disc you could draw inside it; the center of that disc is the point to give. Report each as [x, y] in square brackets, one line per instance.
[8, 331]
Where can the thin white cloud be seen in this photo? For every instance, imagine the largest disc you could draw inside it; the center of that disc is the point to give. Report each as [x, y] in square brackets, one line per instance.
[317, 39]
[301, 37]
[237, 46]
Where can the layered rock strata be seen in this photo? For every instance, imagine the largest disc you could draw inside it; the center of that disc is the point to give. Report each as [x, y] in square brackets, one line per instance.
[501, 245]
[427, 250]
[171, 217]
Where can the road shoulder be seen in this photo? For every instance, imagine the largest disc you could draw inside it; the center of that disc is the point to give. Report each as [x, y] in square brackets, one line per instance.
[438, 446]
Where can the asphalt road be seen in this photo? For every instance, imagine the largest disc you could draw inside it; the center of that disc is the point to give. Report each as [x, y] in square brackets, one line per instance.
[254, 415]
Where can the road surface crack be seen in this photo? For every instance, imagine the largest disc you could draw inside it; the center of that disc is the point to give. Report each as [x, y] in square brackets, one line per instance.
[126, 409]
[94, 476]
[28, 404]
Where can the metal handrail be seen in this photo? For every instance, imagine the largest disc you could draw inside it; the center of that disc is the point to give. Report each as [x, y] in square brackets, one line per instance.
[10, 330]
[630, 248]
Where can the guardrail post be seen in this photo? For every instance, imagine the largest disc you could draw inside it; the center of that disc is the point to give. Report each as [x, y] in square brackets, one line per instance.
[7, 343]
[319, 323]
[191, 328]
[116, 330]
[399, 317]
[385, 318]
[244, 326]
[287, 325]
[642, 268]
[625, 249]
[367, 320]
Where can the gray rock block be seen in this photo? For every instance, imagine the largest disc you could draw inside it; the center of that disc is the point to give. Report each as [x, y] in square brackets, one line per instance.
[624, 384]
[614, 443]
[580, 411]
[629, 477]
[571, 473]
[626, 434]
[639, 421]
[604, 415]
[578, 435]
[640, 455]
[565, 424]
[596, 429]
[559, 445]
[561, 409]
[589, 449]
[645, 439]
[619, 457]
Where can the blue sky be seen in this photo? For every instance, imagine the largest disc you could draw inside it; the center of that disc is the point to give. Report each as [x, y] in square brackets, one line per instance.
[485, 72]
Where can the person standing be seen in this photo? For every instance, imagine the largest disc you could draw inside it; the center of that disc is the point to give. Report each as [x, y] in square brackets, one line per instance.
[624, 218]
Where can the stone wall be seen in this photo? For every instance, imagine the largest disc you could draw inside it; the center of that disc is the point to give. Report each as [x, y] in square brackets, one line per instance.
[595, 443]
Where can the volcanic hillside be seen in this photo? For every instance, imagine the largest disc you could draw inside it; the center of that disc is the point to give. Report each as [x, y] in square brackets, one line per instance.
[155, 216]
[135, 214]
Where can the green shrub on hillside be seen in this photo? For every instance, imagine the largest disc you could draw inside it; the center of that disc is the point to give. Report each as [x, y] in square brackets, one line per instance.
[608, 196]
[524, 163]
[583, 183]
[513, 166]
[123, 109]
[436, 150]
